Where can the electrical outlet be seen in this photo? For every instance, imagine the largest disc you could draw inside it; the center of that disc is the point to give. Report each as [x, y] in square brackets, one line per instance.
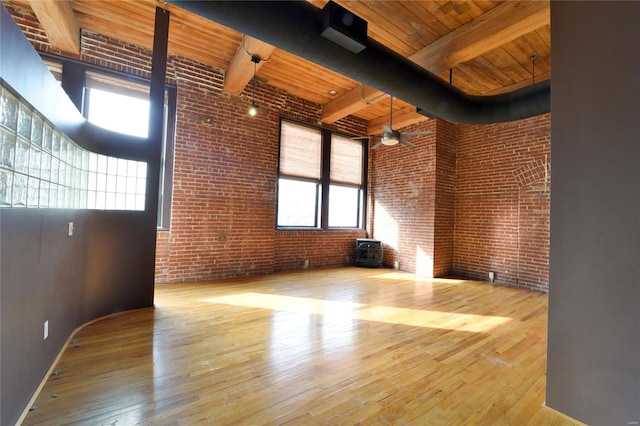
[70, 229]
[492, 276]
[46, 329]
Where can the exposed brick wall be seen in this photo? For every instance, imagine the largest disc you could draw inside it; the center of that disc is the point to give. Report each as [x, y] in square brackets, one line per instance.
[502, 202]
[222, 221]
[320, 248]
[444, 223]
[467, 200]
[404, 182]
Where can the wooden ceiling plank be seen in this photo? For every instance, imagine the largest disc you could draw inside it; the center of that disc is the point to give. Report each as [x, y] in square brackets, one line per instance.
[388, 22]
[215, 50]
[501, 24]
[381, 109]
[521, 50]
[196, 54]
[427, 24]
[293, 72]
[539, 46]
[241, 69]
[219, 47]
[545, 35]
[475, 71]
[449, 13]
[403, 118]
[471, 9]
[135, 18]
[486, 5]
[464, 79]
[500, 75]
[504, 60]
[116, 31]
[285, 61]
[59, 23]
[140, 11]
[520, 84]
[301, 88]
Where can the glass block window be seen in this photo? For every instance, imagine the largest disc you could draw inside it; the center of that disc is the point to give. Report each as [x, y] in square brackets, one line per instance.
[40, 167]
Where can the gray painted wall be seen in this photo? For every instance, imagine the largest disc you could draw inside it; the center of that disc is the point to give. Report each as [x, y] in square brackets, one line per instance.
[594, 321]
[68, 281]
[107, 266]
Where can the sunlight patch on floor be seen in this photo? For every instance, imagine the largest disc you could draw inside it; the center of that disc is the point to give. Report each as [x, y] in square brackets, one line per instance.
[432, 319]
[406, 276]
[284, 303]
[386, 314]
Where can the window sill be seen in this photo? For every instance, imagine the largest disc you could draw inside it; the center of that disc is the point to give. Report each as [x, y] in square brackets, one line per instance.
[299, 229]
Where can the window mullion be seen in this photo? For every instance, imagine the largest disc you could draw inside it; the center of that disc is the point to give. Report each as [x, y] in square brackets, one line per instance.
[318, 201]
[325, 178]
[364, 186]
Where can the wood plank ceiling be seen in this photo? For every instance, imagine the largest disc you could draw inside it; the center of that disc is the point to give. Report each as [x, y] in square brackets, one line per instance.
[484, 47]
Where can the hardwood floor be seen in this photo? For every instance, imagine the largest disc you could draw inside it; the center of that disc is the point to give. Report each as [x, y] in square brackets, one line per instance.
[333, 346]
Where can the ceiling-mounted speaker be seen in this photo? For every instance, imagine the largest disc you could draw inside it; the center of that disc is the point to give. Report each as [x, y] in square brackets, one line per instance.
[344, 28]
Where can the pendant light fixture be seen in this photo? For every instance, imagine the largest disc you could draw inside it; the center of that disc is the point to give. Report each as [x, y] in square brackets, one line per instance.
[253, 109]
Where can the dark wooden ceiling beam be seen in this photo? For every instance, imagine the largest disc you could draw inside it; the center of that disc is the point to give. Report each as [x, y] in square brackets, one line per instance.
[59, 23]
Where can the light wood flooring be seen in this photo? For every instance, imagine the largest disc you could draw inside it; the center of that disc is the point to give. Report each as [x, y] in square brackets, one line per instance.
[331, 346]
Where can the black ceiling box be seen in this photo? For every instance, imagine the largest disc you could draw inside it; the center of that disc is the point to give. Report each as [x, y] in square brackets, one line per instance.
[344, 28]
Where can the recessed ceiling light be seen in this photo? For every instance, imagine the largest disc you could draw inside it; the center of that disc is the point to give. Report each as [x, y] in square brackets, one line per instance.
[332, 92]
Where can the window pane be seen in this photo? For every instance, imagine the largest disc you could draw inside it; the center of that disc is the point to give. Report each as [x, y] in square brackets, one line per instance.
[344, 203]
[300, 151]
[297, 203]
[346, 160]
[120, 113]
